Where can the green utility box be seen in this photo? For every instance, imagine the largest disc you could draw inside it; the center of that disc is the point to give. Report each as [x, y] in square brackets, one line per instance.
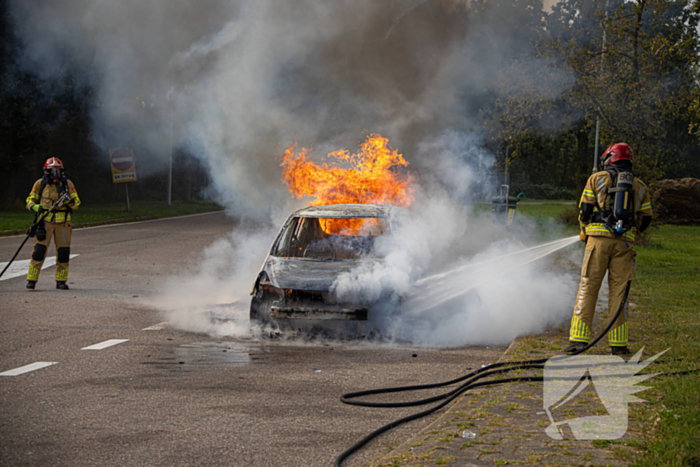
[503, 212]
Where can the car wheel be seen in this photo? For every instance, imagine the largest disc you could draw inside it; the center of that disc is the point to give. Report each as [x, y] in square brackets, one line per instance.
[260, 306]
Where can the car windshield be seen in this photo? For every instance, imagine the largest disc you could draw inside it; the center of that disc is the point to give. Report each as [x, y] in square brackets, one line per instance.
[330, 238]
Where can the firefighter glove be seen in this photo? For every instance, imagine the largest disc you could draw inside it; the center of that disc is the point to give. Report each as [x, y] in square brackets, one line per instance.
[582, 236]
[38, 208]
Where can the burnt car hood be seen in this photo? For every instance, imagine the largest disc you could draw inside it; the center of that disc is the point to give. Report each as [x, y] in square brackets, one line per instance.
[306, 274]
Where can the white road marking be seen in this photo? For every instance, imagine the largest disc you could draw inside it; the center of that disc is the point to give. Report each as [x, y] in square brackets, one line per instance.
[19, 268]
[27, 368]
[105, 344]
[156, 327]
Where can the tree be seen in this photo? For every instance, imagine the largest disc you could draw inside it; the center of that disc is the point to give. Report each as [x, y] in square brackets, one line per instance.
[632, 66]
[640, 79]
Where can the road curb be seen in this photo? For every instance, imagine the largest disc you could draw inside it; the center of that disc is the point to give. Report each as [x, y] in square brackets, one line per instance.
[111, 223]
[437, 423]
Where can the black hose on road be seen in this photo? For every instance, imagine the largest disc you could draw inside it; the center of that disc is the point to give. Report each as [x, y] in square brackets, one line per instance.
[29, 234]
[15, 256]
[472, 381]
[31, 230]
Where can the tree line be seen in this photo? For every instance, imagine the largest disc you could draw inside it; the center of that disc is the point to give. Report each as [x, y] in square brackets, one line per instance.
[634, 76]
[46, 117]
[625, 69]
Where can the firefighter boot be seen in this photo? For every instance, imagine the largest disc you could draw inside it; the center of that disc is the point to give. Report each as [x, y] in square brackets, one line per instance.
[574, 346]
[616, 350]
[61, 285]
[31, 285]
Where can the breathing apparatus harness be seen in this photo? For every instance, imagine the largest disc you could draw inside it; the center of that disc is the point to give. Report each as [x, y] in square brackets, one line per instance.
[617, 214]
[64, 195]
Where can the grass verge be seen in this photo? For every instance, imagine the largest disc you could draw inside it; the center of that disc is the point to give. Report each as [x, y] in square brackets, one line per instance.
[667, 293]
[16, 221]
[542, 209]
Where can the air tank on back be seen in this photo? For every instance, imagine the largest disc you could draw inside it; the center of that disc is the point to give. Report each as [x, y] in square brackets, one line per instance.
[622, 209]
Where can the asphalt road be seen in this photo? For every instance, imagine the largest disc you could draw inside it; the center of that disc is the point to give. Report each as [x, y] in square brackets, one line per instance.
[175, 398]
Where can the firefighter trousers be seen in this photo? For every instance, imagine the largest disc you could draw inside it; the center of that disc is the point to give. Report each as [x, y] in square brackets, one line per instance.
[617, 258]
[61, 234]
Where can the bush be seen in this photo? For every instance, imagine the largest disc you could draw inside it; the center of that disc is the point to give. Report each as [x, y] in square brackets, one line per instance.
[569, 215]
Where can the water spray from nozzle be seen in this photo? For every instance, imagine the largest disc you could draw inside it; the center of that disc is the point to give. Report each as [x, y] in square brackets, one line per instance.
[436, 290]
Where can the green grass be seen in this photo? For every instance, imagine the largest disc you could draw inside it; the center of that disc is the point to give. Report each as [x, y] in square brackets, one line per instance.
[94, 214]
[546, 216]
[667, 293]
[445, 460]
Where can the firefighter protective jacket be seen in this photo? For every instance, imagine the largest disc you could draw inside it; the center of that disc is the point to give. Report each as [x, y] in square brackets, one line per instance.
[596, 193]
[49, 196]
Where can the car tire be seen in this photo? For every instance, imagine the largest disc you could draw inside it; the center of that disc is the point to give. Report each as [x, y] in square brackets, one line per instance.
[260, 307]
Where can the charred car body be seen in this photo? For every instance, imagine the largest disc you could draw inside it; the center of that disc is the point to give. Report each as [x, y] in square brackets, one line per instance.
[314, 247]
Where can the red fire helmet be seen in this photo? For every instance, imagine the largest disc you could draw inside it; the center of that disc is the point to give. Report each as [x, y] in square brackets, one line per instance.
[53, 163]
[616, 152]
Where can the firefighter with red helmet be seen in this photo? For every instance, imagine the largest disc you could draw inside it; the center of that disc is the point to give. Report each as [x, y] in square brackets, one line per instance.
[615, 205]
[45, 194]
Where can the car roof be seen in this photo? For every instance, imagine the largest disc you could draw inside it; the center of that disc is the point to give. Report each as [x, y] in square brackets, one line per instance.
[344, 211]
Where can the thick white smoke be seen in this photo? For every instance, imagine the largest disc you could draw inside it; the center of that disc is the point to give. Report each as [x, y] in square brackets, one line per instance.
[487, 299]
[234, 83]
[450, 275]
[215, 298]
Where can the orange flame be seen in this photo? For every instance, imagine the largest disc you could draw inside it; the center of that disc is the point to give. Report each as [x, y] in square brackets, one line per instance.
[372, 177]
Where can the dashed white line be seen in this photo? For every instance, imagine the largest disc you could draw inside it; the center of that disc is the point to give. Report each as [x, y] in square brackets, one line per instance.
[156, 327]
[27, 368]
[105, 344]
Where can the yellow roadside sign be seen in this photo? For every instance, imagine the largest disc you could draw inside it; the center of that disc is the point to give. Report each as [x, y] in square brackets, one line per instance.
[123, 165]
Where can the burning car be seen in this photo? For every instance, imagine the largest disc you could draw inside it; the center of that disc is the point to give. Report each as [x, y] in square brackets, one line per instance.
[315, 245]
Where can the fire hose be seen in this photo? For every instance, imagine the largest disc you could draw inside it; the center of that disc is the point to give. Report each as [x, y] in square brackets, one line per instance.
[471, 381]
[31, 231]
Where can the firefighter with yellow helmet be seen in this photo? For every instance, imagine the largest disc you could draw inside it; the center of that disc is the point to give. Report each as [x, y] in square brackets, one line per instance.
[44, 201]
[614, 204]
